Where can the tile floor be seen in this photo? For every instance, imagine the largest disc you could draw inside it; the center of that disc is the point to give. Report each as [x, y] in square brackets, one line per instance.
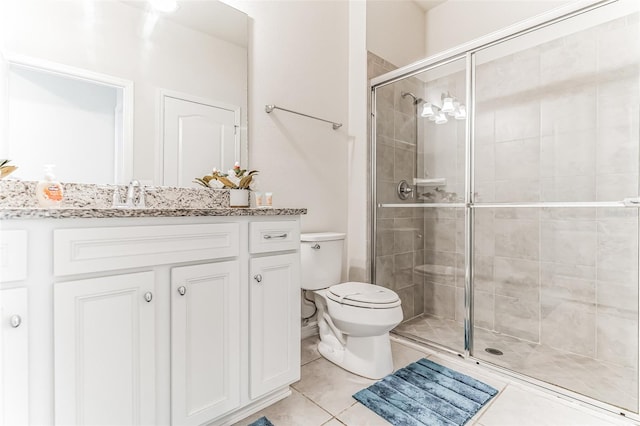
[614, 384]
[322, 397]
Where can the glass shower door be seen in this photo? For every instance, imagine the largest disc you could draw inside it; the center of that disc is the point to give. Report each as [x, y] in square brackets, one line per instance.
[555, 153]
[419, 234]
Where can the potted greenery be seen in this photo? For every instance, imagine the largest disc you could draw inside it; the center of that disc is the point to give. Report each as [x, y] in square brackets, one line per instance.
[238, 181]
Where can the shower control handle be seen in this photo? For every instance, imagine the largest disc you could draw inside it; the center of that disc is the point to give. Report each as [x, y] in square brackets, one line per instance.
[404, 190]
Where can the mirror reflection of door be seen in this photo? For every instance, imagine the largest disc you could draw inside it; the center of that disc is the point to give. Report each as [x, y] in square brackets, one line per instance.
[71, 118]
[197, 136]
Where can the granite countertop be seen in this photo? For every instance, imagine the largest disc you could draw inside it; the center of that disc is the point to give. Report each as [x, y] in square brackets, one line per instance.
[18, 201]
[81, 212]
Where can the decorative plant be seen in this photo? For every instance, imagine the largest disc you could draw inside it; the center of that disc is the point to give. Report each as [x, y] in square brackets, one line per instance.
[236, 178]
[5, 169]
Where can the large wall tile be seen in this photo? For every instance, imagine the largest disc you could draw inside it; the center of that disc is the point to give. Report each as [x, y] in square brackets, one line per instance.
[617, 245]
[569, 242]
[517, 239]
[617, 338]
[406, 296]
[483, 309]
[570, 282]
[568, 188]
[616, 187]
[568, 111]
[569, 325]
[516, 317]
[402, 270]
[483, 274]
[617, 151]
[440, 235]
[517, 278]
[618, 46]
[517, 121]
[405, 127]
[517, 190]
[384, 271]
[404, 162]
[439, 300]
[385, 162]
[566, 62]
[518, 159]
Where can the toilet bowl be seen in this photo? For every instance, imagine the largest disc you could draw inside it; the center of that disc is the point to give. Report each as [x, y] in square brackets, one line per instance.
[354, 318]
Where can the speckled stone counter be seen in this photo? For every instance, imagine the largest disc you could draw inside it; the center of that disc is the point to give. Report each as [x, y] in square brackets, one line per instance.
[18, 201]
[78, 213]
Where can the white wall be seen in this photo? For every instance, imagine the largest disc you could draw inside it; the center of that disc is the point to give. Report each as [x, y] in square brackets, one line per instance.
[458, 21]
[67, 111]
[298, 59]
[395, 30]
[109, 39]
[358, 166]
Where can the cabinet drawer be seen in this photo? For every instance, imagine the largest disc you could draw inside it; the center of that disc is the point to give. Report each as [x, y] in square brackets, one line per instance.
[13, 255]
[85, 250]
[266, 237]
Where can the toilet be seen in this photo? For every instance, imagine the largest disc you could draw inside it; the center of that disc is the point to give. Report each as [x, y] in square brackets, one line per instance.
[354, 318]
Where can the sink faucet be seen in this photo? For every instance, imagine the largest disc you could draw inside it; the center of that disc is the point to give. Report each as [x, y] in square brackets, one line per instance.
[131, 192]
[130, 201]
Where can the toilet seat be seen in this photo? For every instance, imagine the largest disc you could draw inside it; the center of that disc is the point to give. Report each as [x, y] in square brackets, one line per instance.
[363, 295]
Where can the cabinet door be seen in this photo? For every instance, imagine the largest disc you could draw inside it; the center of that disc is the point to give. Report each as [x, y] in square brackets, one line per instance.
[104, 350]
[205, 342]
[274, 324]
[14, 358]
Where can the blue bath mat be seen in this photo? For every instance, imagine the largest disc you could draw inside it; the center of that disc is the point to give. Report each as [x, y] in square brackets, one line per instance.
[262, 421]
[426, 393]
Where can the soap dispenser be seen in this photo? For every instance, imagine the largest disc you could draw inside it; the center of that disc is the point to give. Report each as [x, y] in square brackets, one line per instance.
[49, 191]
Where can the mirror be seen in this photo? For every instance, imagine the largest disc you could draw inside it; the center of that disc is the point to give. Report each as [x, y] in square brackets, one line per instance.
[113, 90]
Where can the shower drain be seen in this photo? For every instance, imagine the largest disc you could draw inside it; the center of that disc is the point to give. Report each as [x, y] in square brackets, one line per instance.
[493, 351]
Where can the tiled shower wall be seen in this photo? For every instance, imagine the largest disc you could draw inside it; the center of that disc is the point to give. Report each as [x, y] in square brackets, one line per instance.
[556, 122]
[399, 240]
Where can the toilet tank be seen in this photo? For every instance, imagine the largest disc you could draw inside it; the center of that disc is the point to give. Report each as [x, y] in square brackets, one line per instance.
[321, 259]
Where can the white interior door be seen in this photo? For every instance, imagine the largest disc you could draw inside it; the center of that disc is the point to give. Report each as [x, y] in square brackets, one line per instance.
[196, 138]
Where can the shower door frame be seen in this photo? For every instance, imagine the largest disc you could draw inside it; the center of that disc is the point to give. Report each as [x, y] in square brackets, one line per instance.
[467, 51]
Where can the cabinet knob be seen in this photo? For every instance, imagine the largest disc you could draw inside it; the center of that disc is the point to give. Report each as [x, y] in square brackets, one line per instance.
[258, 278]
[148, 296]
[182, 290]
[15, 321]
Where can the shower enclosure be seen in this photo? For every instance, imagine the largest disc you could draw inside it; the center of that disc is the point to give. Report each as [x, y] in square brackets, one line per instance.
[505, 205]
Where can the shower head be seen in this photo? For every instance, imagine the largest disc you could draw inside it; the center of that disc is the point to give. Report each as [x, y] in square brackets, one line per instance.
[416, 100]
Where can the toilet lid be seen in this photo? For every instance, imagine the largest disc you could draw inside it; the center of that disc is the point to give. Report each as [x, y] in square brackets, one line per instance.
[363, 295]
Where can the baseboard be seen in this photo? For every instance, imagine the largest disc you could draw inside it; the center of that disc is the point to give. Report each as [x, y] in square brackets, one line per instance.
[253, 407]
[309, 330]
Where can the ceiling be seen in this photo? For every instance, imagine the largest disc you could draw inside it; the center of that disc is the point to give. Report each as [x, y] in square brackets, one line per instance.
[208, 16]
[428, 4]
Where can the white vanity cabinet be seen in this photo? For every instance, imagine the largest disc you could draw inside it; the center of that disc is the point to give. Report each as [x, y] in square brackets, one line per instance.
[14, 329]
[14, 357]
[205, 342]
[104, 338]
[274, 306]
[151, 321]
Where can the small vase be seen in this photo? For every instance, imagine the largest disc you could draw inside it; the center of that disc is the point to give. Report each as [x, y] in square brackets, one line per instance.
[238, 198]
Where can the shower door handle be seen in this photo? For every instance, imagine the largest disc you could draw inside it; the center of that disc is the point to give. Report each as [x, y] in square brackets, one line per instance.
[631, 202]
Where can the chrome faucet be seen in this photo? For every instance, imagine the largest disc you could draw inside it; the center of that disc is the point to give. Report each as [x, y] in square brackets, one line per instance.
[131, 193]
[130, 201]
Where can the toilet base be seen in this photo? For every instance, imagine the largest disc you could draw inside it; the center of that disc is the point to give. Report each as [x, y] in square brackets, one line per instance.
[368, 357]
